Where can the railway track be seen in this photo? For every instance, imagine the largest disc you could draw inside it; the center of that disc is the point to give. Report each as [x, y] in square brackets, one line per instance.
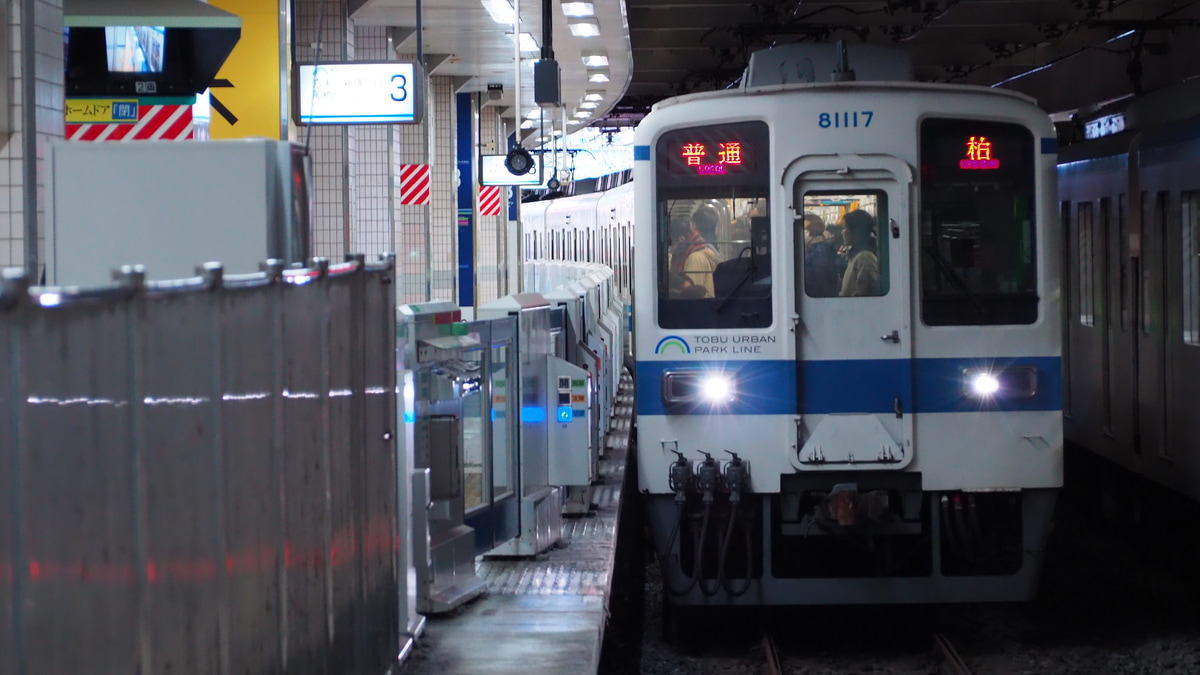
[952, 662]
[771, 654]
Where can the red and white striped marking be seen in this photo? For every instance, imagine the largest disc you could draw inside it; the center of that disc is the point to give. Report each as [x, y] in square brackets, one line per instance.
[414, 184]
[489, 200]
[155, 122]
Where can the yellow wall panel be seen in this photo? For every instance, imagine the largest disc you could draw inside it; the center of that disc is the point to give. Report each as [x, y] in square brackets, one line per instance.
[253, 68]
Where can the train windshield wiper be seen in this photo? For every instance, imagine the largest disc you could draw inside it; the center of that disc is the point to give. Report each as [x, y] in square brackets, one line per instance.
[947, 270]
[746, 276]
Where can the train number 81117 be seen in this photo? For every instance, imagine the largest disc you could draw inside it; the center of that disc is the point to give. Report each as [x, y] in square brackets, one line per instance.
[845, 120]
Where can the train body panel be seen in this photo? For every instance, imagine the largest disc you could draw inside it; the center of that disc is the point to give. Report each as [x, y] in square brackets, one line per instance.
[1131, 206]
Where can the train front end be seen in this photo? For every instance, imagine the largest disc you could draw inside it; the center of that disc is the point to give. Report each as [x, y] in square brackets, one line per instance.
[847, 337]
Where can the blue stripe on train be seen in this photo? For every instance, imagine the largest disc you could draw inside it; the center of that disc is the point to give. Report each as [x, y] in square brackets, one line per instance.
[851, 386]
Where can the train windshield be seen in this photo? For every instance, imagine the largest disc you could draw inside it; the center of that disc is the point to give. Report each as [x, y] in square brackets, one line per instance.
[978, 253]
[713, 227]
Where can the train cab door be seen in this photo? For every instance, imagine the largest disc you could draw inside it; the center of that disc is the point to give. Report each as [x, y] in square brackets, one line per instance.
[852, 289]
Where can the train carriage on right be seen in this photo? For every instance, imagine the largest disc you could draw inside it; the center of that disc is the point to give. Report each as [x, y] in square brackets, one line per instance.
[1129, 199]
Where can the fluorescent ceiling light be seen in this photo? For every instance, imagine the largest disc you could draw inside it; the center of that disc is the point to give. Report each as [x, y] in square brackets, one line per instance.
[597, 75]
[535, 114]
[593, 95]
[501, 11]
[574, 122]
[586, 27]
[595, 57]
[589, 105]
[578, 8]
[581, 114]
[528, 124]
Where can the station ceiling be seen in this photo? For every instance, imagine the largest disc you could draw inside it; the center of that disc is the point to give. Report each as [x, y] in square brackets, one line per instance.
[1066, 53]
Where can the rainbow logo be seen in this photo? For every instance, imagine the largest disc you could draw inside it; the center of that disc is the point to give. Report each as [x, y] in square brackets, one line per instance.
[673, 341]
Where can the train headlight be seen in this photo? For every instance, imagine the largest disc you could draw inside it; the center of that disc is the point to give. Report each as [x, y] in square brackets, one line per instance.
[716, 388]
[984, 384]
[698, 386]
[1010, 382]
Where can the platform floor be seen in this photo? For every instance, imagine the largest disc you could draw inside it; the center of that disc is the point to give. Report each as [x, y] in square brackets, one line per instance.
[545, 615]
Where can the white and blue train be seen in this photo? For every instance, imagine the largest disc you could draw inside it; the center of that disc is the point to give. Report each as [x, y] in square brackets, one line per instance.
[847, 334]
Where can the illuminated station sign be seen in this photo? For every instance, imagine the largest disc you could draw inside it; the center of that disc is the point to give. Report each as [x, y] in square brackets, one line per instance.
[979, 155]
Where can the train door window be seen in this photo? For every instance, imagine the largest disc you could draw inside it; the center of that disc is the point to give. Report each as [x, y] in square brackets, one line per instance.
[1087, 264]
[842, 252]
[1191, 268]
[711, 187]
[978, 225]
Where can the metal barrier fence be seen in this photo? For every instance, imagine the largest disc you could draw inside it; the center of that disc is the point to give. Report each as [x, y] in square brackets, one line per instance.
[200, 476]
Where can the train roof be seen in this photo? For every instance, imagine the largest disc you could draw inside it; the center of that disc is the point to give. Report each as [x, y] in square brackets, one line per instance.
[873, 85]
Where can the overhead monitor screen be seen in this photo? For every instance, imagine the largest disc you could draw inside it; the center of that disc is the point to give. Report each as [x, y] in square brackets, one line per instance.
[135, 49]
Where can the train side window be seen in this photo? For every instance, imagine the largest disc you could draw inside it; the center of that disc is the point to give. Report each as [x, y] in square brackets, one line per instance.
[1087, 264]
[978, 223]
[1191, 267]
[843, 256]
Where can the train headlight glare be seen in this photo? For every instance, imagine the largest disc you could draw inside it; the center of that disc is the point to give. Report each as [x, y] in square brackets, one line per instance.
[984, 384]
[716, 388]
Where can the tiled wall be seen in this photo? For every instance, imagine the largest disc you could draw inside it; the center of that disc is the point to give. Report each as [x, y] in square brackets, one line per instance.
[331, 146]
[443, 214]
[489, 236]
[47, 70]
[410, 222]
[371, 229]
[426, 235]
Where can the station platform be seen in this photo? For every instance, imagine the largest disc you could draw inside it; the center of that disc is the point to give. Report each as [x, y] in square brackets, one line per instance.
[547, 614]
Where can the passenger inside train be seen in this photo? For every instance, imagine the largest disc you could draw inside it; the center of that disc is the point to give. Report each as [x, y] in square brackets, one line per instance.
[693, 262]
[844, 259]
[714, 256]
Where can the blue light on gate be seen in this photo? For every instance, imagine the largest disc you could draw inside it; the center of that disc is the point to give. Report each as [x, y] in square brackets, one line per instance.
[533, 414]
[410, 417]
[565, 414]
